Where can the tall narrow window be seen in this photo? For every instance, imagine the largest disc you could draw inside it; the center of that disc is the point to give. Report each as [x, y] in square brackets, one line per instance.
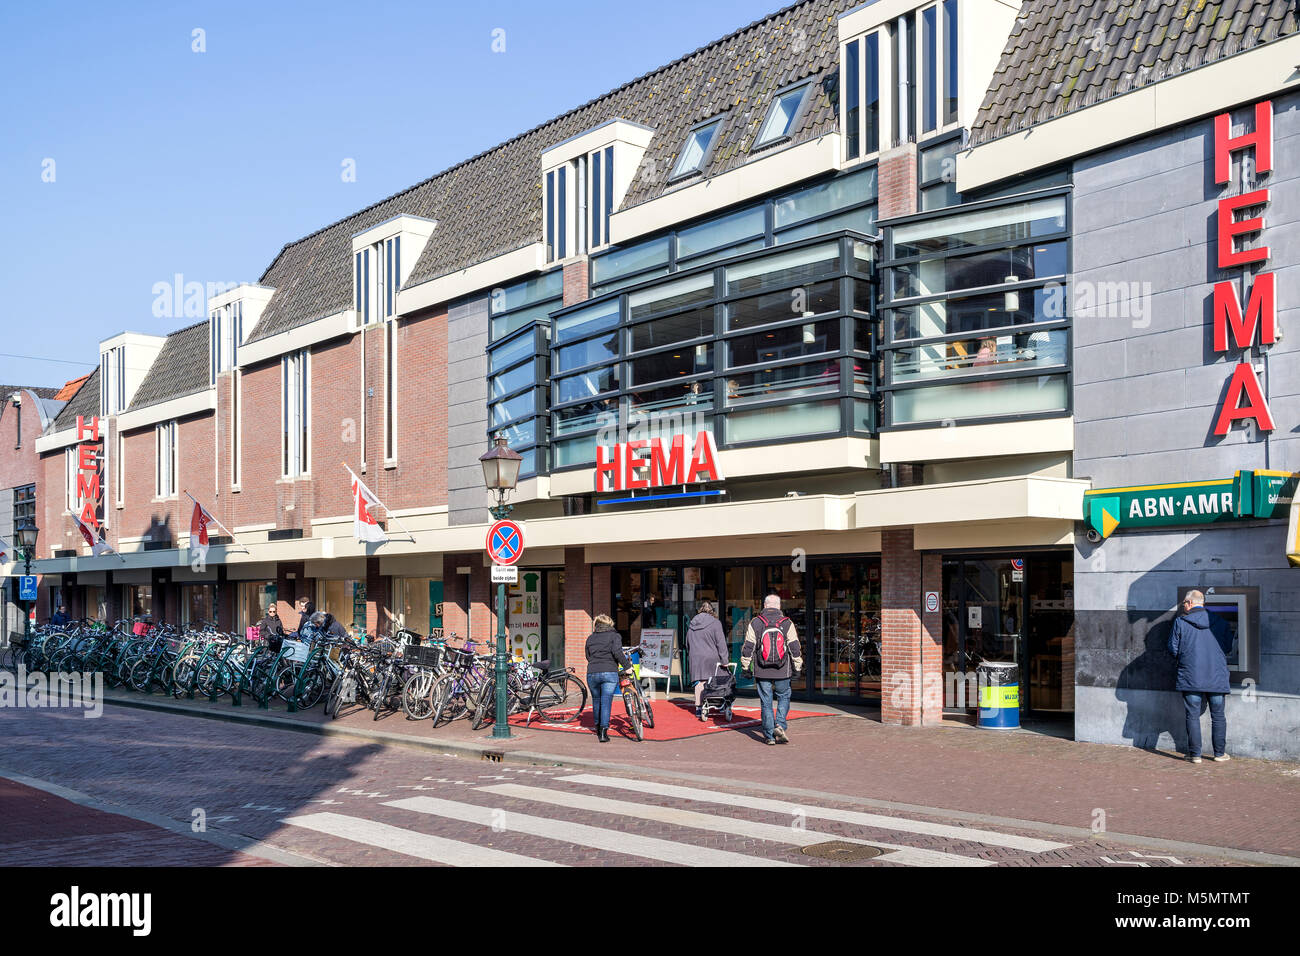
[607, 206]
[930, 68]
[390, 391]
[550, 216]
[871, 47]
[165, 460]
[365, 286]
[236, 428]
[561, 208]
[296, 414]
[852, 107]
[950, 61]
[119, 471]
[596, 217]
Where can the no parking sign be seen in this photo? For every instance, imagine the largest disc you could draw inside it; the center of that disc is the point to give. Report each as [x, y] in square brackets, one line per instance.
[505, 542]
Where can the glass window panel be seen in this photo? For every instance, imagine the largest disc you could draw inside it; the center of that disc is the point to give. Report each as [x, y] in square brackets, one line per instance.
[1003, 353]
[675, 328]
[671, 295]
[852, 140]
[687, 396]
[608, 287]
[864, 416]
[863, 254]
[977, 312]
[787, 268]
[930, 68]
[871, 76]
[629, 259]
[822, 298]
[595, 318]
[520, 434]
[862, 297]
[690, 360]
[603, 348]
[825, 198]
[598, 414]
[517, 407]
[503, 325]
[982, 227]
[586, 385]
[1011, 396]
[862, 334]
[754, 245]
[801, 418]
[860, 220]
[780, 118]
[938, 162]
[790, 341]
[513, 380]
[574, 451]
[950, 61]
[724, 231]
[503, 356]
[528, 462]
[786, 381]
[508, 298]
[932, 276]
[695, 149]
[939, 197]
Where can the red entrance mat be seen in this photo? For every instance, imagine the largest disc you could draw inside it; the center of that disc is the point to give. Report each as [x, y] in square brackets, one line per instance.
[673, 721]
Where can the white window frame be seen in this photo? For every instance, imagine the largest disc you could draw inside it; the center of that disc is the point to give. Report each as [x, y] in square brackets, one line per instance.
[295, 417]
[119, 472]
[376, 279]
[600, 199]
[236, 429]
[802, 88]
[390, 392]
[885, 93]
[112, 381]
[166, 458]
[678, 173]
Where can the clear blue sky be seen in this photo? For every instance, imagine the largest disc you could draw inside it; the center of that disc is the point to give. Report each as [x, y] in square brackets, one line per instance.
[169, 161]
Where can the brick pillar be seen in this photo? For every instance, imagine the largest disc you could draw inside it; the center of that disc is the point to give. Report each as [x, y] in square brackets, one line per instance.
[482, 602]
[900, 597]
[932, 641]
[576, 281]
[227, 595]
[455, 598]
[897, 179]
[578, 607]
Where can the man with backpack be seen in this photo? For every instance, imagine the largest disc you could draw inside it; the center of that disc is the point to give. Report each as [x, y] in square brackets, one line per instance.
[771, 651]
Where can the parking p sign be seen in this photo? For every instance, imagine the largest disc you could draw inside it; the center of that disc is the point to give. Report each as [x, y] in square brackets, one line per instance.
[27, 587]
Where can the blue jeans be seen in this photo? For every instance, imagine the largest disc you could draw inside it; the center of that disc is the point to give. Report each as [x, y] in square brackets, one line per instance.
[1196, 703]
[604, 688]
[766, 690]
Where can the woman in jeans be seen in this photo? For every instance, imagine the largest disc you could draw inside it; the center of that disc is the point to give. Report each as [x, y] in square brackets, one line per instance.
[605, 658]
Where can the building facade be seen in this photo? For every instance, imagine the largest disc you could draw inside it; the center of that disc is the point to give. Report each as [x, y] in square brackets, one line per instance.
[798, 313]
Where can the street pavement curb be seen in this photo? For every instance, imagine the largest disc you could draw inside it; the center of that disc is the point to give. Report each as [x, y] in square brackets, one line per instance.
[227, 841]
[531, 758]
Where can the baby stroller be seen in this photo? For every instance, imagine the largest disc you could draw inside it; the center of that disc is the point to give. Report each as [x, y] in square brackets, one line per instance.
[719, 693]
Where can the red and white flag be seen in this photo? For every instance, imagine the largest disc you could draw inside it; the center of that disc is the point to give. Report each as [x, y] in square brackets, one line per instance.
[199, 531]
[5, 551]
[97, 544]
[364, 525]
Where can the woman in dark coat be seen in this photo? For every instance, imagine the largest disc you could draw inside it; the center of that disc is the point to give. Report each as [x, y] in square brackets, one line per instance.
[706, 646]
[605, 658]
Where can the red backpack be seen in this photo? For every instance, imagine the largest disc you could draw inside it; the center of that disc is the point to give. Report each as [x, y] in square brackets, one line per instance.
[771, 651]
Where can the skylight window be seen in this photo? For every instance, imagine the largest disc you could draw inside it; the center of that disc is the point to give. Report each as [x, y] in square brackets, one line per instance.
[696, 150]
[781, 117]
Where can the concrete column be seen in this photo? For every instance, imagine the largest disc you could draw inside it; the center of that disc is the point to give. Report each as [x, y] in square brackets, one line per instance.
[900, 595]
[932, 641]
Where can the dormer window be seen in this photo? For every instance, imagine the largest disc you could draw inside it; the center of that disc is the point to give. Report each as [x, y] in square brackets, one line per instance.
[698, 148]
[785, 110]
[377, 271]
[112, 381]
[227, 334]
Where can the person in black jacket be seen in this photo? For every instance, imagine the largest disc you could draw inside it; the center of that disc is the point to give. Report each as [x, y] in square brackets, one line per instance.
[772, 650]
[328, 626]
[270, 629]
[605, 657]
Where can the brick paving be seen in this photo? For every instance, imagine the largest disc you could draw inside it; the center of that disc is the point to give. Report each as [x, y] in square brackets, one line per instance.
[250, 779]
[1245, 804]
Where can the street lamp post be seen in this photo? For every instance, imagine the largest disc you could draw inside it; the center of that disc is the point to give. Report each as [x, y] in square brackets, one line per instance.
[500, 474]
[27, 533]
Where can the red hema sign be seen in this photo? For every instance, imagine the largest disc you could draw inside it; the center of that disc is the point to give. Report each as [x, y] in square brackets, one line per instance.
[1259, 321]
[88, 489]
[646, 464]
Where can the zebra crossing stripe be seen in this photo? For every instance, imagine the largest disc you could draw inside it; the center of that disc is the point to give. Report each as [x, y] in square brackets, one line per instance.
[614, 841]
[900, 824]
[410, 842]
[907, 856]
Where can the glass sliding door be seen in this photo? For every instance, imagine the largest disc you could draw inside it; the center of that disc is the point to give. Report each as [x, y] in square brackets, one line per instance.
[830, 650]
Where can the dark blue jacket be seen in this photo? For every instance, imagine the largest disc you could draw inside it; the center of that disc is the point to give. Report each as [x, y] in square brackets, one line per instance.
[1199, 647]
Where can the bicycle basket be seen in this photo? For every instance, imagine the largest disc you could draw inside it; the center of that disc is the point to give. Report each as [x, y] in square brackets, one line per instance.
[424, 655]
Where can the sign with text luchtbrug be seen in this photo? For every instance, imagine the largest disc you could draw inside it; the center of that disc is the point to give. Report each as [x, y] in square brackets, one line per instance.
[1248, 495]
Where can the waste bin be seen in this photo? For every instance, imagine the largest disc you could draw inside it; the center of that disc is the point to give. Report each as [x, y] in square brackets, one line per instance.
[999, 686]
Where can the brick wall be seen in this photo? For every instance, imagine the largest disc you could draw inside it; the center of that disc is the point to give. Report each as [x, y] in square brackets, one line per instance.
[579, 608]
[576, 281]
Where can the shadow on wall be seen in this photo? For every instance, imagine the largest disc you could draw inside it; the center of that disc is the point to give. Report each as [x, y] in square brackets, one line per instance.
[1152, 670]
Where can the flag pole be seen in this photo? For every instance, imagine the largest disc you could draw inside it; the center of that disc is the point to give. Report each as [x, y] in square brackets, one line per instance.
[389, 514]
[104, 541]
[241, 544]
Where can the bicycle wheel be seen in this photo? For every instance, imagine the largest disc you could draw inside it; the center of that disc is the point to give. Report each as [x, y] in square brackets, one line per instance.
[649, 711]
[313, 689]
[632, 704]
[138, 679]
[417, 695]
[485, 708]
[334, 700]
[9, 659]
[560, 699]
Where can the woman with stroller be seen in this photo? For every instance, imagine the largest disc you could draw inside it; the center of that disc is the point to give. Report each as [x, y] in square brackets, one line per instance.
[706, 644]
[605, 658]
